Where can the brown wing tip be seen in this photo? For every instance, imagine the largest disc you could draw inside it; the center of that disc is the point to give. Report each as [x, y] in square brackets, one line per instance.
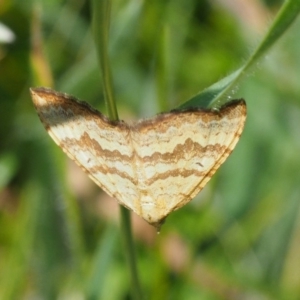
[43, 96]
[158, 224]
[234, 103]
[41, 90]
[234, 107]
[49, 94]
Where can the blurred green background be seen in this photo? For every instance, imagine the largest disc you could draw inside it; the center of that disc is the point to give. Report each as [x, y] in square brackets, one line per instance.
[59, 233]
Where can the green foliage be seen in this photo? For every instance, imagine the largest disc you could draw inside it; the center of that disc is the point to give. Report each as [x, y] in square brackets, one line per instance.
[239, 239]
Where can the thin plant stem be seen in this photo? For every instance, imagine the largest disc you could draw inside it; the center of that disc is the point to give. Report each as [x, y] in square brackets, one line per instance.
[129, 246]
[100, 23]
[101, 20]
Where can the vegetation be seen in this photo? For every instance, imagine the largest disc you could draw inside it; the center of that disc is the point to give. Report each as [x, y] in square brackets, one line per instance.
[60, 235]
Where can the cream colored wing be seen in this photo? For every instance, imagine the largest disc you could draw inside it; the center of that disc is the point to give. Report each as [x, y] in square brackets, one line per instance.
[153, 167]
[178, 152]
[100, 147]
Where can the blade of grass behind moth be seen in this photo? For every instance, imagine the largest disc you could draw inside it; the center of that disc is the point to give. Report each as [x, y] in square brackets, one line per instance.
[42, 76]
[14, 274]
[100, 24]
[219, 93]
[101, 262]
[162, 70]
[8, 165]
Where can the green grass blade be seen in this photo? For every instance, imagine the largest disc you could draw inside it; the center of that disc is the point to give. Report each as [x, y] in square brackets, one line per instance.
[101, 263]
[219, 93]
[100, 24]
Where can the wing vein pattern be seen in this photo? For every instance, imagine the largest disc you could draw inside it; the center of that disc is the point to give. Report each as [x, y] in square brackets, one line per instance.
[153, 166]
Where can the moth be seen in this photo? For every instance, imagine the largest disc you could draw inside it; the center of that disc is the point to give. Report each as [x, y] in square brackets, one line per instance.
[152, 166]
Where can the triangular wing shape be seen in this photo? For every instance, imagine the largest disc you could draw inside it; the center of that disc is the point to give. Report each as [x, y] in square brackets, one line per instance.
[100, 147]
[152, 167]
[178, 152]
